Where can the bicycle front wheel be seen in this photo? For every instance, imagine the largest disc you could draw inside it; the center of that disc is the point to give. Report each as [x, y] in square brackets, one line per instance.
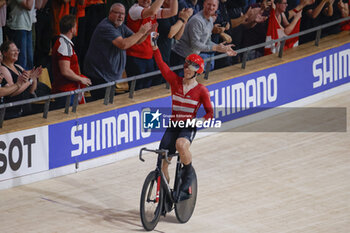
[151, 201]
[184, 209]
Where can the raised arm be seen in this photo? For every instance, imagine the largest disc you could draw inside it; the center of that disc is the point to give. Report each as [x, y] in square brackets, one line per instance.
[300, 7]
[178, 28]
[168, 74]
[171, 11]
[344, 9]
[288, 29]
[328, 11]
[316, 12]
[125, 43]
[153, 9]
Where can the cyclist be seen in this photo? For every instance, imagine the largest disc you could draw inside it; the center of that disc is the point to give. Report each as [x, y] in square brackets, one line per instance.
[187, 96]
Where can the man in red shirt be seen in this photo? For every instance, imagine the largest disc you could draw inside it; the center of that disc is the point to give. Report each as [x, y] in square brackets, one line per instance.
[65, 66]
[139, 56]
[187, 96]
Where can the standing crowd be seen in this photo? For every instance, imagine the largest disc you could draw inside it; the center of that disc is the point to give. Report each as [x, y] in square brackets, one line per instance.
[90, 42]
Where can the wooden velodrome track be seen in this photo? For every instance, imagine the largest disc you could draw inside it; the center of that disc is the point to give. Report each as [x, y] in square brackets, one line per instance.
[248, 182]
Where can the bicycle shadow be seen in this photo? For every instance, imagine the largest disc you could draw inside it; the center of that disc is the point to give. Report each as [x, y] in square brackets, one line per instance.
[169, 218]
[70, 205]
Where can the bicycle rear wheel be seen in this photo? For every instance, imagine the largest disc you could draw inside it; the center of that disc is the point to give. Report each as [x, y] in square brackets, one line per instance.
[184, 209]
[151, 203]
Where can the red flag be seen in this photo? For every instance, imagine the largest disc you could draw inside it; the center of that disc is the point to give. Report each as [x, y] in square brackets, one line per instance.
[293, 42]
[276, 31]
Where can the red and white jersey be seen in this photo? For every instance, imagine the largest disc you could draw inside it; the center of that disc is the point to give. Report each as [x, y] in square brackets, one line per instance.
[63, 50]
[184, 105]
[134, 22]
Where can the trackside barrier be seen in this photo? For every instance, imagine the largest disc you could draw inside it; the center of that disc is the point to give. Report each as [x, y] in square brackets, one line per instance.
[70, 145]
[110, 90]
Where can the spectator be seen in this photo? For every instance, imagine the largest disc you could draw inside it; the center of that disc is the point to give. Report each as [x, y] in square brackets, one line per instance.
[43, 33]
[140, 56]
[256, 32]
[222, 23]
[321, 12]
[95, 12]
[6, 90]
[280, 8]
[127, 4]
[170, 29]
[59, 9]
[345, 26]
[236, 13]
[12, 73]
[187, 4]
[197, 36]
[328, 14]
[292, 4]
[279, 26]
[77, 8]
[20, 22]
[340, 10]
[242, 17]
[2, 19]
[220, 32]
[65, 66]
[106, 57]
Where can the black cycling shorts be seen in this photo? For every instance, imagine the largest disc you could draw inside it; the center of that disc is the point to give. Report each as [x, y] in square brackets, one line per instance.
[172, 134]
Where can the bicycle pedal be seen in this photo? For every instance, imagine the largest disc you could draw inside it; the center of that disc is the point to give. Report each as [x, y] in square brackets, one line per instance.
[184, 196]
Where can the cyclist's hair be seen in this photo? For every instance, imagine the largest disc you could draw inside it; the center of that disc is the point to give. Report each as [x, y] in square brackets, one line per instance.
[5, 46]
[67, 23]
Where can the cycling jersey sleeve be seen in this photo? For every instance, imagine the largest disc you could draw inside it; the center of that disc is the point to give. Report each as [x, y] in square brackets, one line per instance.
[168, 74]
[205, 99]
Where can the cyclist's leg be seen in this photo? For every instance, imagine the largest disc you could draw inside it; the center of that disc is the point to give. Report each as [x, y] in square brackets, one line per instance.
[168, 142]
[183, 144]
[183, 147]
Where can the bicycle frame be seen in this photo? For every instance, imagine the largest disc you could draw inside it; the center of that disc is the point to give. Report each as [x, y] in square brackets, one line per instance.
[159, 199]
[164, 183]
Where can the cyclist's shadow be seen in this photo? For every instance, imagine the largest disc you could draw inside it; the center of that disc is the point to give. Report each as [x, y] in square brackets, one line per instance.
[169, 218]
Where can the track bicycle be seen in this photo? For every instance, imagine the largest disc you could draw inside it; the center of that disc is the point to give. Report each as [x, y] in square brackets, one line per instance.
[158, 198]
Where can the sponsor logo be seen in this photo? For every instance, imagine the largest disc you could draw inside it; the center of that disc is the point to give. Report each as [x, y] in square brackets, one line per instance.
[158, 120]
[106, 133]
[151, 120]
[23, 153]
[331, 68]
[15, 154]
[242, 96]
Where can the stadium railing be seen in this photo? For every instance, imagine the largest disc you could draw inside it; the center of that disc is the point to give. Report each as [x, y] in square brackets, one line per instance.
[110, 87]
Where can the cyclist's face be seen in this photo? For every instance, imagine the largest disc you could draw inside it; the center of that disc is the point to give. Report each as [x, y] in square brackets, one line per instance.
[188, 73]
